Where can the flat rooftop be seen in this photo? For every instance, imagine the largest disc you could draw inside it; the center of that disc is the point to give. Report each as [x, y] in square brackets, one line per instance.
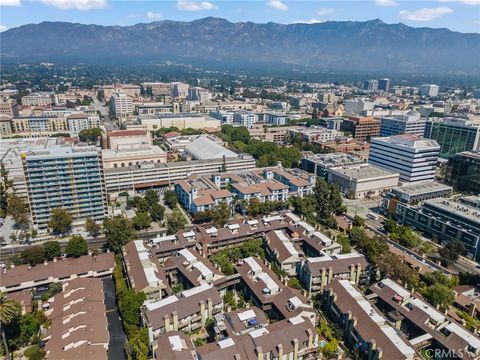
[335, 159]
[408, 141]
[363, 172]
[422, 188]
[457, 208]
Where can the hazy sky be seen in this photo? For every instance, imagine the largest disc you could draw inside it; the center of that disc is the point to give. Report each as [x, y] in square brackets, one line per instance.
[458, 15]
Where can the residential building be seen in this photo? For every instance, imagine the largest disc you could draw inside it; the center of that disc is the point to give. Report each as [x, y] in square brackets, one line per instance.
[147, 175]
[283, 251]
[411, 123]
[121, 104]
[430, 90]
[315, 133]
[179, 90]
[360, 181]
[187, 311]
[319, 164]
[446, 220]
[23, 277]
[199, 193]
[175, 345]
[37, 99]
[79, 325]
[68, 177]
[454, 135]
[273, 134]
[415, 159]
[463, 171]
[198, 94]
[318, 272]
[467, 298]
[79, 122]
[131, 90]
[245, 118]
[276, 119]
[180, 121]
[158, 88]
[384, 85]
[226, 117]
[364, 328]
[358, 107]
[294, 338]
[361, 128]
[425, 326]
[413, 194]
[143, 271]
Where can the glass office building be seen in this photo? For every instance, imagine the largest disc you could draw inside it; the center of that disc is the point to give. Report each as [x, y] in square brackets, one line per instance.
[463, 172]
[64, 176]
[454, 135]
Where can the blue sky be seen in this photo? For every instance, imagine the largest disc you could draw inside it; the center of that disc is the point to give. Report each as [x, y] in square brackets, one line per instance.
[458, 15]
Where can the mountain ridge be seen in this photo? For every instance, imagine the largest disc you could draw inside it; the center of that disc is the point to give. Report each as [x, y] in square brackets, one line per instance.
[333, 45]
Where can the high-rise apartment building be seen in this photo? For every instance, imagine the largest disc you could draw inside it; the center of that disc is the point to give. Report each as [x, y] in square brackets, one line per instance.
[454, 134]
[179, 90]
[65, 176]
[413, 158]
[121, 104]
[411, 123]
[384, 84]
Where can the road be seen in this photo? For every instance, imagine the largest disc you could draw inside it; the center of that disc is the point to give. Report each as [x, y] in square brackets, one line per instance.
[116, 350]
[98, 243]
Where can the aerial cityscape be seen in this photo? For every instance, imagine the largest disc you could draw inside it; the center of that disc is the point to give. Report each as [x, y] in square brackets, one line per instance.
[196, 180]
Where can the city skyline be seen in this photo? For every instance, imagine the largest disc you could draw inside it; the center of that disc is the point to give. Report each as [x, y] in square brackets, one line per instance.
[456, 15]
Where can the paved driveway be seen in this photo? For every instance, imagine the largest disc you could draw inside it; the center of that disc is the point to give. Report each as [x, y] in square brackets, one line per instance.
[115, 329]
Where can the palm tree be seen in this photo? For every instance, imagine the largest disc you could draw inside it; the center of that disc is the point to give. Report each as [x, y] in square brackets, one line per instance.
[9, 310]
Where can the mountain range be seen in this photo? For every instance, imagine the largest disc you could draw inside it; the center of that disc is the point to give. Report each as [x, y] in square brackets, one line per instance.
[333, 45]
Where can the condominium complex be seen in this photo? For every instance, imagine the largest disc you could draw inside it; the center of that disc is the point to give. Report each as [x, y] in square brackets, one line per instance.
[65, 176]
[37, 99]
[413, 158]
[411, 123]
[454, 135]
[429, 90]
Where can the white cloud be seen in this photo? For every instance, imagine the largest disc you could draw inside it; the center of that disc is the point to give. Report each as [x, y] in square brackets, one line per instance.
[425, 14]
[325, 11]
[76, 4]
[386, 3]
[195, 5]
[466, 2]
[153, 15]
[311, 21]
[277, 4]
[10, 3]
[3, 28]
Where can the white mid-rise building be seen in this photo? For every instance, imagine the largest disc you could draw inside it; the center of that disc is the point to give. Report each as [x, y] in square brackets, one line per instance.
[245, 118]
[413, 158]
[122, 105]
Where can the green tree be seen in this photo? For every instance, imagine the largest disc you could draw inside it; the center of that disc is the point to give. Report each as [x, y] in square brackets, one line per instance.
[151, 197]
[90, 135]
[9, 310]
[345, 242]
[138, 344]
[294, 283]
[118, 231]
[157, 212]
[35, 353]
[221, 214]
[60, 221]
[357, 235]
[358, 221]
[77, 246]
[18, 209]
[438, 294]
[175, 221]
[51, 250]
[92, 227]
[141, 220]
[33, 255]
[170, 198]
[450, 253]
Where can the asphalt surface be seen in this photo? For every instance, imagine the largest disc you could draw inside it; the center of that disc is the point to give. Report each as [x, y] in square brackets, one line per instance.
[117, 335]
